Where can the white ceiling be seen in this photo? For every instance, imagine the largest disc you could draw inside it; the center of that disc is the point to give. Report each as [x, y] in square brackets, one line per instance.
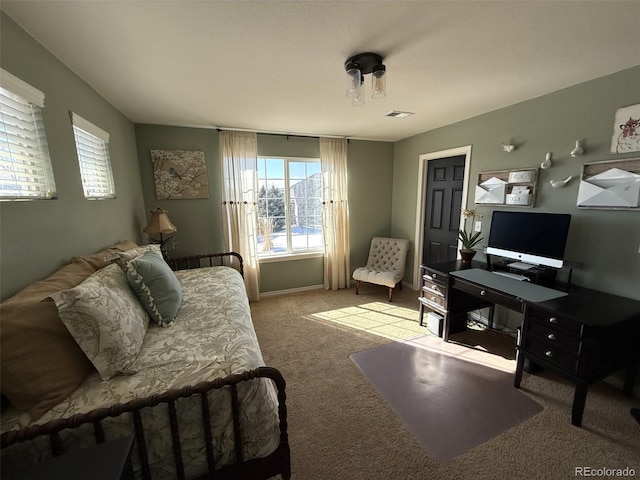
[278, 66]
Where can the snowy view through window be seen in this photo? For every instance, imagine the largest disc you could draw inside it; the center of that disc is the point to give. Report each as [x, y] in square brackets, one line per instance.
[289, 205]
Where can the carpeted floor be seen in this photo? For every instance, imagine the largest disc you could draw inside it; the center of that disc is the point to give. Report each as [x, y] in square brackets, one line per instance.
[450, 404]
[340, 427]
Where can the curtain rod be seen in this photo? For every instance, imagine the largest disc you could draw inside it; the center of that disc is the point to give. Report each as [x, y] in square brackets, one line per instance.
[280, 134]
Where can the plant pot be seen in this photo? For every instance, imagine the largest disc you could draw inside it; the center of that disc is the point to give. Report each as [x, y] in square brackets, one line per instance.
[467, 255]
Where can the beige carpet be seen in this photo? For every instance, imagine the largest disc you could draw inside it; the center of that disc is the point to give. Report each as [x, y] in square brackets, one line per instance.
[340, 427]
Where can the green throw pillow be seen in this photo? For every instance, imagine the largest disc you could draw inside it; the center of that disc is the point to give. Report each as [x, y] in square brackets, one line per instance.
[157, 287]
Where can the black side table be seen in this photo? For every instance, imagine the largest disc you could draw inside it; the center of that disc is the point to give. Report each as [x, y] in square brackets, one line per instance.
[105, 461]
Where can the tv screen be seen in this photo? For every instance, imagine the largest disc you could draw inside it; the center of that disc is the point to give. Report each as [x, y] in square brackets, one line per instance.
[531, 238]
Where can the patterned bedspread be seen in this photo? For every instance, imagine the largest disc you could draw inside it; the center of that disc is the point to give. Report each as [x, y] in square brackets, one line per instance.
[212, 337]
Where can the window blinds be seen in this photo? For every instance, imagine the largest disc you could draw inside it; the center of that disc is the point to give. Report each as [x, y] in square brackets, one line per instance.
[92, 145]
[25, 166]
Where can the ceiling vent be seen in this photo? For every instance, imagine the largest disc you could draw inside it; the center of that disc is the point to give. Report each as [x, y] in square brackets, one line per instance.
[398, 114]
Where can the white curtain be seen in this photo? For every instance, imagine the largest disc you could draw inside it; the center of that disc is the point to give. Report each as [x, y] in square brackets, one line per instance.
[239, 151]
[333, 158]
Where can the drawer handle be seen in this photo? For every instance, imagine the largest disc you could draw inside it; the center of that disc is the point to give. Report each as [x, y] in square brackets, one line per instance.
[434, 276]
[549, 354]
[553, 320]
[483, 293]
[551, 336]
[433, 299]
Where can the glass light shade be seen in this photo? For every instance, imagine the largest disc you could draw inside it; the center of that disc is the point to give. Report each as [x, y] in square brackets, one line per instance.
[379, 82]
[354, 82]
[159, 223]
[359, 100]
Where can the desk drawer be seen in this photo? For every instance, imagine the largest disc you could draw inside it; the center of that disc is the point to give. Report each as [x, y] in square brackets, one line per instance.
[553, 336]
[432, 288]
[432, 299]
[435, 277]
[544, 317]
[488, 295]
[551, 353]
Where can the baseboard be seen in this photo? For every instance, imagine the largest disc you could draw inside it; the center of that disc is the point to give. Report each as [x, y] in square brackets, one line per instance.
[288, 291]
[408, 285]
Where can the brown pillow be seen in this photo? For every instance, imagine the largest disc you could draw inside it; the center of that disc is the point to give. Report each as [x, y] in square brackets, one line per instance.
[41, 362]
[68, 276]
[105, 257]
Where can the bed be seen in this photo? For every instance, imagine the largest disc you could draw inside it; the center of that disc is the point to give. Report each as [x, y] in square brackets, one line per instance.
[201, 403]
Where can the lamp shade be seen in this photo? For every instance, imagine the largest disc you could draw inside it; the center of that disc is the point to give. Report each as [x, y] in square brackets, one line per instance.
[159, 222]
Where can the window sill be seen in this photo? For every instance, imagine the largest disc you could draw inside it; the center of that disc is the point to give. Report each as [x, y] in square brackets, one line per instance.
[290, 256]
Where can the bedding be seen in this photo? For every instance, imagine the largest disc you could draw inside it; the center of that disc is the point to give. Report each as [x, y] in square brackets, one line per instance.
[211, 337]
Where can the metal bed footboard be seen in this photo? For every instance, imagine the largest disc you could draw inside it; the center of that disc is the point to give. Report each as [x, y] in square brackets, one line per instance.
[207, 260]
[278, 462]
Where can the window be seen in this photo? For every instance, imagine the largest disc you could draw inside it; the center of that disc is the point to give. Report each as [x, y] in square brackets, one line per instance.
[92, 145]
[25, 166]
[289, 205]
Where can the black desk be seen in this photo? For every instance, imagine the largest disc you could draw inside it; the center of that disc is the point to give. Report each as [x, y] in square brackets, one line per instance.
[586, 335]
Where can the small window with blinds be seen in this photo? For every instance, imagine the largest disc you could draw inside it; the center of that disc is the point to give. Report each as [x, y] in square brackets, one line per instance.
[92, 145]
[25, 165]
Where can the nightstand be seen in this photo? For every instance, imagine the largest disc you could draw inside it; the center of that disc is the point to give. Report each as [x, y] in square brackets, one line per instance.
[105, 461]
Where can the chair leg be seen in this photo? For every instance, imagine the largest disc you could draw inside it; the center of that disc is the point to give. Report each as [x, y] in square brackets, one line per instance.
[390, 293]
[357, 286]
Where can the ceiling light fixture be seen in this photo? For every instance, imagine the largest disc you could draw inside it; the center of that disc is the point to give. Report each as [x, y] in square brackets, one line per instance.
[357, 67]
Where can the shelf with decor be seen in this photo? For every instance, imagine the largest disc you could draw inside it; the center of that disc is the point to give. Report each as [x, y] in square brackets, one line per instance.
[510, 188]
[610, 184]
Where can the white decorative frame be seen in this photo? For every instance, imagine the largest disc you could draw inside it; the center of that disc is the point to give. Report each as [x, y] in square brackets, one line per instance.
[626, 130]
[179, 174]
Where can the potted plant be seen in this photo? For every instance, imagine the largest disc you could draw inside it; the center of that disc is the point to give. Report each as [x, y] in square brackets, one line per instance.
[469, 239]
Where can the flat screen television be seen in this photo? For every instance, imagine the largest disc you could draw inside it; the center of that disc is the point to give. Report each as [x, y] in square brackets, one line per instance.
[530, 238]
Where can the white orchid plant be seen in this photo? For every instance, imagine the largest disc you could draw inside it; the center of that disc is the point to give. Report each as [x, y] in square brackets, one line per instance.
[469, 238]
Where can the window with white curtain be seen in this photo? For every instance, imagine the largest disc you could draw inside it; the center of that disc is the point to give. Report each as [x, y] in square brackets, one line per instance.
[25, 165]
[92, 145]
[289, 206]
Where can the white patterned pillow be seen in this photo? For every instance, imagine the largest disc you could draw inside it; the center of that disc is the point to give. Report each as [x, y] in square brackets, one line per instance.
[105, 319]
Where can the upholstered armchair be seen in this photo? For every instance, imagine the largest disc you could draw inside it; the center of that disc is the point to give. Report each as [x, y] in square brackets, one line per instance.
[385, 265]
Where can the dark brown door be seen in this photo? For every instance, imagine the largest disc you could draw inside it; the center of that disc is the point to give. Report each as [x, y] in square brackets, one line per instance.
[443, 201]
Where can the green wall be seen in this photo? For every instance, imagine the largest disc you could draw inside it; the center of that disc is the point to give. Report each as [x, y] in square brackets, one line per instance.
[199, 222]
[37, 237]
[605, 241]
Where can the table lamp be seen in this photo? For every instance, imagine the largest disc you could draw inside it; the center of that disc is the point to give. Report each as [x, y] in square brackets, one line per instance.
[159, 224]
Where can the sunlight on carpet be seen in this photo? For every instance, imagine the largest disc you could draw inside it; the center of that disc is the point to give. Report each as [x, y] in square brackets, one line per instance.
[382, 319]
[401, 324]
